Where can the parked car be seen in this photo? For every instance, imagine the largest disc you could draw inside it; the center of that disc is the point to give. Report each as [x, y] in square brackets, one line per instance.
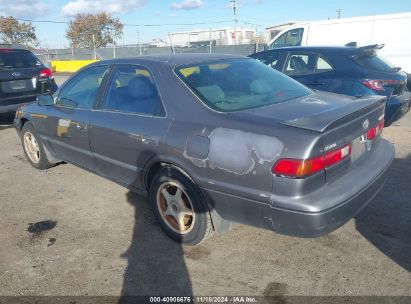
[389, 29]
[355, 71]
[215, 139]
[22, 78]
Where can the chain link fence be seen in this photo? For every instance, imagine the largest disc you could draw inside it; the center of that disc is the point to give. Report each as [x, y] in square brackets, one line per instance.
[135, 50]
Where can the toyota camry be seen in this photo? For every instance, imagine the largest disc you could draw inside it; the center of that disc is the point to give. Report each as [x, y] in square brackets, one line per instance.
[214, 140]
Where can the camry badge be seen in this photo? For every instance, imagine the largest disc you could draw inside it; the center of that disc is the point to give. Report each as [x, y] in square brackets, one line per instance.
[365, 124]
[16, 74]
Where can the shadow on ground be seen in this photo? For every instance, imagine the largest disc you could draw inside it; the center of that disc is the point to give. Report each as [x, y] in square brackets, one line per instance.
[6, 120]
[155, 262]
[386, 222]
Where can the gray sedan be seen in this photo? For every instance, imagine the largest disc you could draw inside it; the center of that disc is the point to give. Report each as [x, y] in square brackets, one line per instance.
[213, 140]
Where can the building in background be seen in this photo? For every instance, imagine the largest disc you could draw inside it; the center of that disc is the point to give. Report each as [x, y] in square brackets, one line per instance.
[220, 36]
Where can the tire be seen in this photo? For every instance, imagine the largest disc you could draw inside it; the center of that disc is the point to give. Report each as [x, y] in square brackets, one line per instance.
[36, 157]
[188, 204]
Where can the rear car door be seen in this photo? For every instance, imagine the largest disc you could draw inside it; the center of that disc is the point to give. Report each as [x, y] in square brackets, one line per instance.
[311, 69]
[67, 121]
[129, 128]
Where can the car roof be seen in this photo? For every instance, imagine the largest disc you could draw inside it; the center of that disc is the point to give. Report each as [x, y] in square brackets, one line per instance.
[313, 48]
[174, 59]
[326, 48]
[12, 47]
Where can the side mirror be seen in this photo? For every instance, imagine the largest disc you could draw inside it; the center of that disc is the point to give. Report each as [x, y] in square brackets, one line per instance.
[45, 100]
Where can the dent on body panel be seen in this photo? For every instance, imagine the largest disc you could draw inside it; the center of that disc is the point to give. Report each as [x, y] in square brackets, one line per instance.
[231, 150]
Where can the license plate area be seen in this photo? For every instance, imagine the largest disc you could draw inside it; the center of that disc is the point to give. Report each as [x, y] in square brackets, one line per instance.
[17, 84]
[359, 147]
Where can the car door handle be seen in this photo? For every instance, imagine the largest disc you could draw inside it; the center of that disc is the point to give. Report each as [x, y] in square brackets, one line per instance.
[149, 140]
[81, 126]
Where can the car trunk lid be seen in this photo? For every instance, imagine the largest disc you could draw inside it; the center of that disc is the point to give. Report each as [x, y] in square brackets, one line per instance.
[333, 117]
[339, 120]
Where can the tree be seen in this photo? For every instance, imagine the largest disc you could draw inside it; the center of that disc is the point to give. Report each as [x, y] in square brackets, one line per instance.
[104, 27]
[14, 32]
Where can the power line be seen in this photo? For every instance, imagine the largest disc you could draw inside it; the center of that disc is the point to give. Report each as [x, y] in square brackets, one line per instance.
[124, 24]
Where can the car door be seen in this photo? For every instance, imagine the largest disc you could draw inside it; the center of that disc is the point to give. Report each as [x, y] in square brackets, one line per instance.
[311, 69]
[130, 125]
[66, 130]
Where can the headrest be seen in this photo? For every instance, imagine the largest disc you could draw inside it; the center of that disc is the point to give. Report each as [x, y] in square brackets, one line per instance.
[296, 63]
[212, 93]
[140, 88]
[260, 86]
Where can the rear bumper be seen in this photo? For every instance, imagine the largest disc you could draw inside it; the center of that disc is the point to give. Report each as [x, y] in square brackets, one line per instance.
[397, 107]
[12, 107]
[344, 198]
[12, 104]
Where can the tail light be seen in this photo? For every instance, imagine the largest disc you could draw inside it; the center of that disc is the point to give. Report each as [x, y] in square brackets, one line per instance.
[46, 73]
[378, 84]
[373, 132]
[302, 168]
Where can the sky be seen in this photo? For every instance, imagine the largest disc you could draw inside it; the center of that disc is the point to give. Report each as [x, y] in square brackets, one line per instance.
[214, 13]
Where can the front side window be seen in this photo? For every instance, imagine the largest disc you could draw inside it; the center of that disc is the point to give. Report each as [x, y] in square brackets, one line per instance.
[290, 38]
[238, 84]
[132, 89]
[294, 37]
[280, 41]
[268, 58]
[82, 90]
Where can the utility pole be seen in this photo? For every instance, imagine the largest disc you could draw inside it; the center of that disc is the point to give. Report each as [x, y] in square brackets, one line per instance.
[234, 6]
[256, 38]
[138, 41]
[210, 41]
[114, 44]
[339, 10]
[171, 43]
[94, 47]
[114, 48]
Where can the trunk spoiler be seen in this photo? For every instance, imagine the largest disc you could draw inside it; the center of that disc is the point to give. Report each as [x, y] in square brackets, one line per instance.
[332, 118]
[363, 50]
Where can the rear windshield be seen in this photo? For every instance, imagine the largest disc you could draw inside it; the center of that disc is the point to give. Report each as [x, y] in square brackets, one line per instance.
[17, 59]
[373, 62]
[238, 84]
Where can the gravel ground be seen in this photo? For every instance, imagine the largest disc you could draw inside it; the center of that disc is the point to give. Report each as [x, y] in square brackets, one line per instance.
[65, 231]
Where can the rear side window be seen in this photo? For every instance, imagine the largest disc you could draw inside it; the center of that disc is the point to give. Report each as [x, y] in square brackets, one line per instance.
[132, 89]
[373, 62]
[306, 64]
[238, 84]
[10, 59]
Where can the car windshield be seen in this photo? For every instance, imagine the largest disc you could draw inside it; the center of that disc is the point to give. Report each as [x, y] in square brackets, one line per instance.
[238, 84]
[17, 59]
[373, 62]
